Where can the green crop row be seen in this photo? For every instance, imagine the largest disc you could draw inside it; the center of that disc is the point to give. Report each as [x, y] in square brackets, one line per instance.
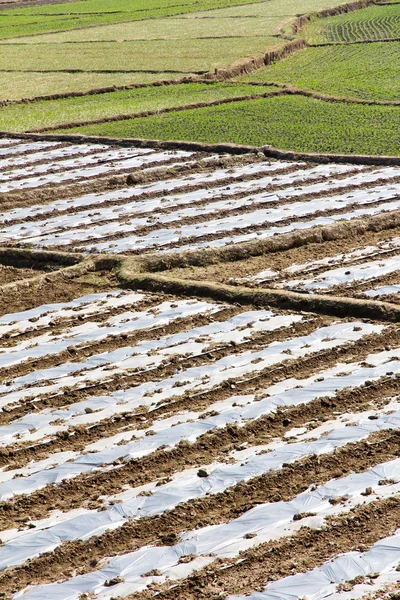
[172, 28]
[366, 71]
[380, 28]
[51, 113]
[288, 122]
[372, 23]
[86, 13]
[187, 55]
[14, 86]
[199, 35]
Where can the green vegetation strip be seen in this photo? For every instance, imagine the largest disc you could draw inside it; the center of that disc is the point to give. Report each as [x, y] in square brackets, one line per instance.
[366, 71]
[185, 55]
[17, 85]
[50, 113]
[61, 17]
[372, 23]
[158, 29]
[287, 122]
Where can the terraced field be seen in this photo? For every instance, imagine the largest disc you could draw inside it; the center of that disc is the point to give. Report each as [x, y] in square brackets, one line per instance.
[307, 77]
[205, 209]
[360, 71]
[372, 23]
[156, 41]
[199, 390]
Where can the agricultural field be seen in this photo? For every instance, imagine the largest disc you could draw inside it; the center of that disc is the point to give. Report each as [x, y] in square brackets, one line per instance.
[199, 300]
[200, 375]
[359, 71]
[34, 116]
[374, 23]
[253, 200]
[94, 68]
[289, 122]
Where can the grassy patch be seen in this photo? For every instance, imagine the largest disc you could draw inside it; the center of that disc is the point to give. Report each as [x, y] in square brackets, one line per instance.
[373, 23]
[368, 71]
[59, 17]
[14, 86]
[134, 35]
[178, 55]
[290, 122]
[161, 29]
[52, 112]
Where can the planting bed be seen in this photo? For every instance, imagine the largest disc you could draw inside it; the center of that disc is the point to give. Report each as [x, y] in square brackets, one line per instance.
[339, 70]
[315, 76]
[290, 122]
[209, 208]
[112, 402]
[195, 439]
[372, 23]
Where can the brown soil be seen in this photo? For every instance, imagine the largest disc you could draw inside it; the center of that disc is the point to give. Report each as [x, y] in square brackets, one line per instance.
[60, 276]
[47, 194]
[280, 260]
[232, 163]
[11, 274]
[337, 306]
[211, 446]
[299, 553]
[60, 288]
[338, 232]
[281, 485]
[193, 220]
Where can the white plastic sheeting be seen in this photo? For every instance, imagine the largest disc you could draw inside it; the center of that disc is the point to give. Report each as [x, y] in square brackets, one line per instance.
[191, 379]
[348, 257]
[162, 237]
[188, 486]
[42, 229]
[383, 557]
[330, 261]
[349, 274]
[41, 316]
[96, 200]
[383, 290]
[226, 540]
[124, 245]
[145, 355]
[28, 147]
[236, 409]
[151, 352]
[201, 377]
[92, 331]
[6, 142]
[165, 237]
[100, 169]
[105, 155]
[50, 155]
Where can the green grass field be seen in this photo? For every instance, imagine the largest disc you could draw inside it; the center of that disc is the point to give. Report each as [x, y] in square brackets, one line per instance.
[372, 23]
[289, 122]
[138, 36]
[50, 113]
[189, 56]
[14, 86]
[60, 17]
[366, 71]
[173, 28]
[90, 44]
